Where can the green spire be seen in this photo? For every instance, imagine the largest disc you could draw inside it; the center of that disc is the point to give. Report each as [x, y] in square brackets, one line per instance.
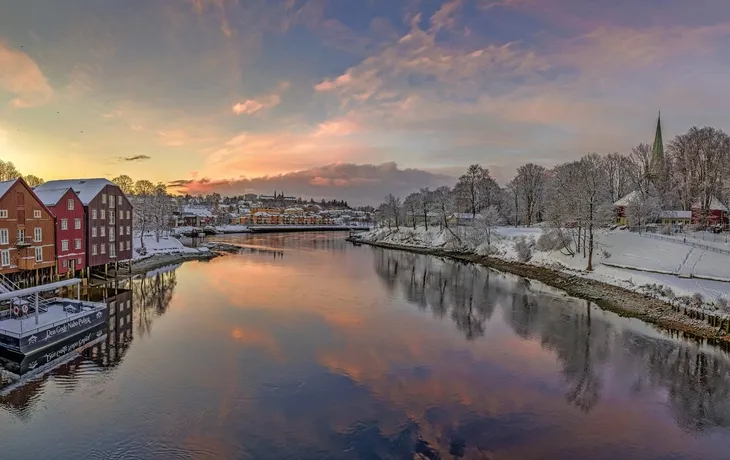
[657, 150]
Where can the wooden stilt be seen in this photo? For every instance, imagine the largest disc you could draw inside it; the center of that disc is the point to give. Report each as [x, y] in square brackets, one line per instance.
[106, 271]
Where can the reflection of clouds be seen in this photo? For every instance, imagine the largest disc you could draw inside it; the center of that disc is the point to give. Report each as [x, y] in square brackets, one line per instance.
[257, 338]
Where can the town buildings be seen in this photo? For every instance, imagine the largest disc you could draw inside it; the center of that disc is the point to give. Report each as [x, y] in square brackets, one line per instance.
[108, 219]
[70, 229]
[27, 236]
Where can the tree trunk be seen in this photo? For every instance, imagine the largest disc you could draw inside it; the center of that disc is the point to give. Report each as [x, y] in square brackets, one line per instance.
[425, 219]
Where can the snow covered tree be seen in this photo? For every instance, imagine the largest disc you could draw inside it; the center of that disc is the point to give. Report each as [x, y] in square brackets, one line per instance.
[411, 206]
[425, 204]
[592, 198]
[393, 209]
[475, 190]
[161, 208]
[487, 220]
[643, 209]
[619, 171]
[529, 186]
[443, 204]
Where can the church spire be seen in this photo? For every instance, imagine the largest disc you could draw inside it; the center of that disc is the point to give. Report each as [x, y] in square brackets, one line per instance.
[657, 149]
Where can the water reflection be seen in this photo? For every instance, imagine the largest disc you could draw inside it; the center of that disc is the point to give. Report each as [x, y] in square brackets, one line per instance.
[96, 352]
[590, 350]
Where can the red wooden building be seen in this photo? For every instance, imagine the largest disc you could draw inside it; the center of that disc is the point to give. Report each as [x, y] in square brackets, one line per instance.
[27, 248]
[717, 213]
[108, 219]
[68, 212]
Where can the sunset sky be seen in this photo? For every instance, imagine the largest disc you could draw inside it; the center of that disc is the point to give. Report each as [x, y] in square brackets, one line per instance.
[348, 98]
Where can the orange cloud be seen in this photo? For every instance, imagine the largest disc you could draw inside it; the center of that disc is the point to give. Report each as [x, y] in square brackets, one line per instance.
[268, 101]
[21, 76]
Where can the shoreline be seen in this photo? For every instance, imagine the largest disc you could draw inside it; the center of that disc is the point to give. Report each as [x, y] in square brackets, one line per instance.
[163, 260]
[616, 299]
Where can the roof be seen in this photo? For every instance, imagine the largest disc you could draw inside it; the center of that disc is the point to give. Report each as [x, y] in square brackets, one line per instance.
[197, 211]
[715, 205]
[628, 199]
[51, 197]
[462, 215]
[5, 186]
[676, 214]
[86, 189]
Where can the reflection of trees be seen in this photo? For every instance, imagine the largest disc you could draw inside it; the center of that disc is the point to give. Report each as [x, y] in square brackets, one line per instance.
[152, 297]
[461, 290]
[587, 343]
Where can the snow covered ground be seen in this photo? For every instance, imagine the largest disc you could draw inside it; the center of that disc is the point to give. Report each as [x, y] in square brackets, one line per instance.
[220, 228]
[166, 245]
[647, 260]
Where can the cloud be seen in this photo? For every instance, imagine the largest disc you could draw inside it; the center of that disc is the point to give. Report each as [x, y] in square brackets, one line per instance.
[21, 76]
[136, 158]
[263, 103]
[356, 183]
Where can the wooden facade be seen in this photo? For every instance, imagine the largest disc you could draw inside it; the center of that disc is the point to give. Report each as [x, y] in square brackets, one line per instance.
[70, 224]
[108, 219]
[27, 231]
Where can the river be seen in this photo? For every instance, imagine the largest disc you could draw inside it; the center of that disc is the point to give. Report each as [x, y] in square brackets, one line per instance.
[306, 347]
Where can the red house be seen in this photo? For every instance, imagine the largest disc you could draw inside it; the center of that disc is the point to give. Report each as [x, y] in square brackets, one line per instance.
[717, 214]
[68, 214]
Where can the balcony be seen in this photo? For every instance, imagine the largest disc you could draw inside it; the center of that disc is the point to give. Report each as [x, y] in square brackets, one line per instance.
[26, 263]
[24, 242]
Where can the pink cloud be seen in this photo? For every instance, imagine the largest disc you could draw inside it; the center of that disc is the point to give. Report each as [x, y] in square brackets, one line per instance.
[266, 102]
[22, 77]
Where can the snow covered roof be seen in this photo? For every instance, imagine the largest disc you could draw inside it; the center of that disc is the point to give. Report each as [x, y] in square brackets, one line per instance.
[86, 189]
[462, 215]
[626, 201]
[51, 197]
[5, 186]
[197, 211]
[715, 205]
[675, 214]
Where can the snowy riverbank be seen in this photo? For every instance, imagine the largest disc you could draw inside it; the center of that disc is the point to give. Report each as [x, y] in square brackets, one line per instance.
[660, 298]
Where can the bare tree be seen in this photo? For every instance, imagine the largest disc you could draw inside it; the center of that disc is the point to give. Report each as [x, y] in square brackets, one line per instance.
[33, 181]
[144, 208]
[161, 209]
[125, 183]
[530, 185]
[8, 171]
[643, 208]
[475, 190]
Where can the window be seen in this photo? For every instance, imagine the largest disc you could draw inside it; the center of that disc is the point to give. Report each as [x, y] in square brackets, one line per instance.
[103, 248]
[64, 245]
[119, 200]
[77, 243]
[112, 250]
[121, 246]
[77, 223]
[93, 249]
[93, 232]
[4, 213]
[64, 263]
[103, 199]
[129, 245]
[78, 261]
[4, 236]
[5, 257]
[39, 254]
[129, 230]
[111, 218]
[70, 204]
[93, 213]
[111, 201]
[103, 214]
[111, 233]
[64, 224]
[38, 234]
[103, 231]
[21, 234]
[128, 215]
[121, 214]
[36, 213]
